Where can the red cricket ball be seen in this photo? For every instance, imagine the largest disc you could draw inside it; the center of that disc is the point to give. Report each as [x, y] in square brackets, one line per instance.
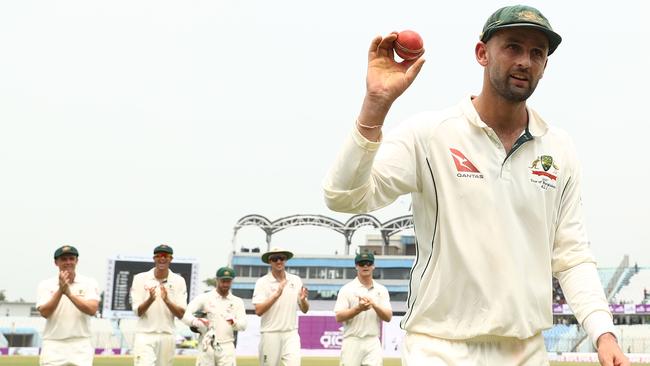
[409, 45]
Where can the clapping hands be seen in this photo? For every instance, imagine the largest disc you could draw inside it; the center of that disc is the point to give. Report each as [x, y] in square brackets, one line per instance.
[64, 282]
[365, 303]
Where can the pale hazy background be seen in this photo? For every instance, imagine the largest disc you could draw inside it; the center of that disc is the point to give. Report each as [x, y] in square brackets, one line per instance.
[126, 124]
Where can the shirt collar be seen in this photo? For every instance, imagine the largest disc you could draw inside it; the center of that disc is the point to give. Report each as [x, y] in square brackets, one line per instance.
[218, 295]
[273, 279]
[153, 276]
[536, 125]
[359, 284]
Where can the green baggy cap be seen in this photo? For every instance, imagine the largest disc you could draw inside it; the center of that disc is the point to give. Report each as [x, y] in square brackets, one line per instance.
[162, 248]
[520, 16]
[66, 250]
[364, 257]
[226, 273]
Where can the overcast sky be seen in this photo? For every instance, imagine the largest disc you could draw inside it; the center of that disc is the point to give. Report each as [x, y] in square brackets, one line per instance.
[126, 124]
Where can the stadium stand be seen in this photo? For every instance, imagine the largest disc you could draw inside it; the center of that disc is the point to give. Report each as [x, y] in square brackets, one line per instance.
[562, 338]
[606, 275]
[635, 289]
[22, 331]
[612, 279]
[635, 338]
[35, 322]
[622, 274]
[558, 294]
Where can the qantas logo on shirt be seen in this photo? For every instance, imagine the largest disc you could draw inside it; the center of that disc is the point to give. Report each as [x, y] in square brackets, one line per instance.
[464, 167]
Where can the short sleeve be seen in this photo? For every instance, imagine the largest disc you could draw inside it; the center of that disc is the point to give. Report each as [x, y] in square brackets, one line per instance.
[93, 290]
[385, 299]
[43, 294]
[299, 285]
[137, 295]
[260, 293]
[342, 302]
[299, 282]
[181, 294]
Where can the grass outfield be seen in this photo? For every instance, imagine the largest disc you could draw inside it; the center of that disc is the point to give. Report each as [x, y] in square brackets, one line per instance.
[241, 361]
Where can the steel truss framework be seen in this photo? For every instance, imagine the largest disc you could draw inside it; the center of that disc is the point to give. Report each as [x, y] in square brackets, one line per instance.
[347, 229]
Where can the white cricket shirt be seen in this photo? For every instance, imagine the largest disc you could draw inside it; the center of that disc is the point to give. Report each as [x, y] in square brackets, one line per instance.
[219, 310]
[366, 323]
[491, 229]
[158, 318]
[282, 316]
[67, 321]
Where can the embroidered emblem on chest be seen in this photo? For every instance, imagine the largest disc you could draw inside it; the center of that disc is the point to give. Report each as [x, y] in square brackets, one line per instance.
[544, 172]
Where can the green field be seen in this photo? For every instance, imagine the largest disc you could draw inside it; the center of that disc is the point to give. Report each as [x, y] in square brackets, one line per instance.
[241, 361]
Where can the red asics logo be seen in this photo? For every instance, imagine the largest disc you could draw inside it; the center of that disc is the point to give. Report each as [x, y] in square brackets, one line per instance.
[462, 163]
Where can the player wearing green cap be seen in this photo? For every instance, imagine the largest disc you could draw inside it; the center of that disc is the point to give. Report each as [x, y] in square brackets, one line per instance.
[67, 301]
[496, 204]
[225, 314]
[157, 297]
[361, 305]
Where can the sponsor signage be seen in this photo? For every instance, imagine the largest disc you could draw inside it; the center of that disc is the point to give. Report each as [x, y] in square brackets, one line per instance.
[564, 309]
[320, 332]
[642, 308]
[617, 308]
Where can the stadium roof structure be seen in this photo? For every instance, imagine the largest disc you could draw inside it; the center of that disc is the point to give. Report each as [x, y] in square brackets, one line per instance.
[347, 229]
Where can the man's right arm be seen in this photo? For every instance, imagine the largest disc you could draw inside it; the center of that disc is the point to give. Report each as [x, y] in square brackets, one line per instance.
[347, 314]
[201, 324]
[342, 309]
[144, 306]
[264, 306]
[386, 80]
[240, 322]
[48, 306]
[353, 185]
[194, 305]
[139, 303]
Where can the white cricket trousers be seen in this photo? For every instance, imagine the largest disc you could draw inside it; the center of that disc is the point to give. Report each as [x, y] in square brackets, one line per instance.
[361, 351]
[420, 349]
[222, 355]
[153, 349]
[280, 348]
[67, 352]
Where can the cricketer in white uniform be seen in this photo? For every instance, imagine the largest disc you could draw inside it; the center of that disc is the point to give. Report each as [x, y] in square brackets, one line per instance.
[157, 296]
[496, 204]
[277, 297]
[361, 305]
[67, 301]
[225, 314]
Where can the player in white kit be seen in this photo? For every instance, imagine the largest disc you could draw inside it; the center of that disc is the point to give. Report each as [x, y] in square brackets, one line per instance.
[277, 297]
[67, 301]
[496, 204]
[361, 305]
[157, 297]
[225, 314]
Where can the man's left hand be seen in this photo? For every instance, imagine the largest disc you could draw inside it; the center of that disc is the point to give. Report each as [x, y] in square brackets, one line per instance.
[609, 353]
[303, 293]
